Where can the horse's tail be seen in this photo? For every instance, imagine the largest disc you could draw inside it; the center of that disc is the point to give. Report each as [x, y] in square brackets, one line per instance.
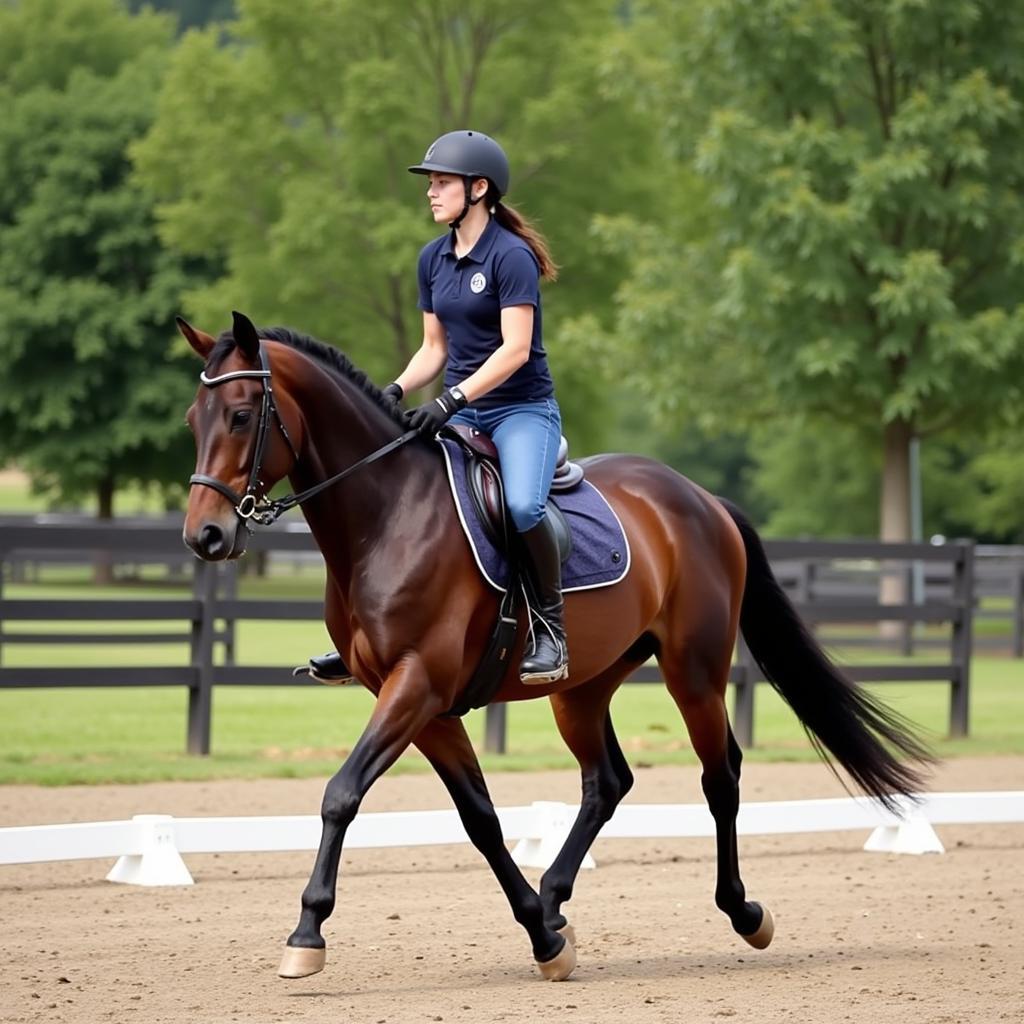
[841, 719]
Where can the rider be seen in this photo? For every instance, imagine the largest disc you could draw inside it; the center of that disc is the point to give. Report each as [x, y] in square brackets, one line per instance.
[480, 297]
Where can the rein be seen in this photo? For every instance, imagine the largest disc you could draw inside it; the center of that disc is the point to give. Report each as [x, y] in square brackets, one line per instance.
[254, 505]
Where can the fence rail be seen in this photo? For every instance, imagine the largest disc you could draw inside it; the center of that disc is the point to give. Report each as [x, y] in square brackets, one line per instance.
[830, 583]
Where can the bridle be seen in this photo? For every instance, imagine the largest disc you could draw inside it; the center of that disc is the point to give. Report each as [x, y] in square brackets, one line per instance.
[254, 505]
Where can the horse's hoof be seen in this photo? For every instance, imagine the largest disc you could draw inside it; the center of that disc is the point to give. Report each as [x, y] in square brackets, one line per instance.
[560, 966]
[569, 932]
[765, 931]
[301, 961]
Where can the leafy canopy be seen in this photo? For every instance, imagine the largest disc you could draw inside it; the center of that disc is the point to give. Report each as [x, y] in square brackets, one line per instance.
[862, 256]
[87, 292]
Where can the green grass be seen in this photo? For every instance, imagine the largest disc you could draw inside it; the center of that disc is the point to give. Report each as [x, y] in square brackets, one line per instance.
[57, 737]
[70, 736]
[17, 498]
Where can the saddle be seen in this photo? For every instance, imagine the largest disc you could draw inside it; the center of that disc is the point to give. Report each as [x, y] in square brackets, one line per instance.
[483, 480]
[483, 476]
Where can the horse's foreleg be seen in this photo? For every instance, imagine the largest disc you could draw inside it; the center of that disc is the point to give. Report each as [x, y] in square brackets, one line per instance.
[586, 726]
[445, 744]
[403, 706]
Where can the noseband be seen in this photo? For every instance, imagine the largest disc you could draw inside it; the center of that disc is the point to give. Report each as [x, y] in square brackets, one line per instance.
[254, 506]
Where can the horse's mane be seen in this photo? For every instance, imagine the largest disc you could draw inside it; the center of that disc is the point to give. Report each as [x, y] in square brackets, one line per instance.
[327, 356]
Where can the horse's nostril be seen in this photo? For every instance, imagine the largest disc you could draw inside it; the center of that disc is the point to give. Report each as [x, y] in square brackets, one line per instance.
[211, 540]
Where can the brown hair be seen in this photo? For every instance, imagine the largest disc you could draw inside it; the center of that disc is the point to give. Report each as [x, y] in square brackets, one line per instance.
[515, 222]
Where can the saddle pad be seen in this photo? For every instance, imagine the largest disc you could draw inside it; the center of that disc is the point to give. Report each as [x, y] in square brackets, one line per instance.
[600, 550]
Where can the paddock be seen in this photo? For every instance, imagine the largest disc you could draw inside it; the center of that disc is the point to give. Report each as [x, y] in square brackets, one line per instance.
[424, 934]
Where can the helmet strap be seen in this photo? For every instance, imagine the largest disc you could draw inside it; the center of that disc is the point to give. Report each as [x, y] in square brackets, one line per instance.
[469, 201]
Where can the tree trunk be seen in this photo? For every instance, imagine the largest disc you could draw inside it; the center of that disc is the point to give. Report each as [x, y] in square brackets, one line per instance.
[895, 506]
[103, 567]
[895, 520]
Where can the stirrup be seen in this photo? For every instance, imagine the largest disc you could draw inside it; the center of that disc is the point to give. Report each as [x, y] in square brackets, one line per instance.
[329, 669]
[548, 676]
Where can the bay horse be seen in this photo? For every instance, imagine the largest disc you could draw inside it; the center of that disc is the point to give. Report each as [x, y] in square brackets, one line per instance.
[410, 613]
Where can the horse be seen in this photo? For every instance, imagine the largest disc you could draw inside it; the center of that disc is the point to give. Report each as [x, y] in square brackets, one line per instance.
[407, 608]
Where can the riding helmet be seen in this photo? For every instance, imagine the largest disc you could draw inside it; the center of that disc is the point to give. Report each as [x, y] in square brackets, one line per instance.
[469, 154]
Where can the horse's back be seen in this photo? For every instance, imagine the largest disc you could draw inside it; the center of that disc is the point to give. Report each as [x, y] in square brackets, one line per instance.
[638, 485]
[674, 525]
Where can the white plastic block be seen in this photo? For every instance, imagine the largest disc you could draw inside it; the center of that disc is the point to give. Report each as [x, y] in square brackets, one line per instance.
[157, 861]
[547, 834]
[913, 834]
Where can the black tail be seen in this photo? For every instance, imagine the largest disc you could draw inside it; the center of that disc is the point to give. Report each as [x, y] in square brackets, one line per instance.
[841, 719]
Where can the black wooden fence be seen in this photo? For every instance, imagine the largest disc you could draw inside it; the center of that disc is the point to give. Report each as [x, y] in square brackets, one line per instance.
[208, 616]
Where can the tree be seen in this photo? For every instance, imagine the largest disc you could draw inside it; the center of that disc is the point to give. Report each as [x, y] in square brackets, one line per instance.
[284, 154]
[87, 293]
[858, 257]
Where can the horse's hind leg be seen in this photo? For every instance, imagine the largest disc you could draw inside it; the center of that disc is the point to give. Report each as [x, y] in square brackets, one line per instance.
[445, 744]
[585, 724]
[698, 688]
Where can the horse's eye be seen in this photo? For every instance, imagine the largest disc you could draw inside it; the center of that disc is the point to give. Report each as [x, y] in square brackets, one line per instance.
[240, 418]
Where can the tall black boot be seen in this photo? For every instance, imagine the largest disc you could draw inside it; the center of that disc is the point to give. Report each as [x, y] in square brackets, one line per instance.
[547, 660]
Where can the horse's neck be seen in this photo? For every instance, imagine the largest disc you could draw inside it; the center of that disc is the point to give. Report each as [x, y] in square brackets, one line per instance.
[350, 519]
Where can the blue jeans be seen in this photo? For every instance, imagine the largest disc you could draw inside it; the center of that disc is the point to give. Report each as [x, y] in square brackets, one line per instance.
[526, 435]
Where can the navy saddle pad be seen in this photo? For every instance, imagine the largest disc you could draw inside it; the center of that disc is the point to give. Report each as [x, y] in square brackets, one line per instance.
[600, 550]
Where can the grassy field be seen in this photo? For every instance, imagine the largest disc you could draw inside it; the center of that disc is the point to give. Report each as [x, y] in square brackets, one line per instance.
[56, 737]
[16, 498]
[73, 736]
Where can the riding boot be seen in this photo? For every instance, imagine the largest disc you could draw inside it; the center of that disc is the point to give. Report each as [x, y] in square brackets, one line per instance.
[329, 669]
[547, 659]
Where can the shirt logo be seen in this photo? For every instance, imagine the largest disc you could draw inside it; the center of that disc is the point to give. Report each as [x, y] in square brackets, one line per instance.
[477, 283]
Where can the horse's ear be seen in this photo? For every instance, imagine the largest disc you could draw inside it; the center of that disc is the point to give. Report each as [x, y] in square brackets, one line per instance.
[199, 340]
[246, 338]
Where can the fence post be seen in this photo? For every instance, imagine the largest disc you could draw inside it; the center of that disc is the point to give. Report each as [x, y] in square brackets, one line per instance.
[200, 694]
[909, 597]
[3, 559]
[495, 728]
[962, 639]
[743, 702]
[229, 581]
[1017, 600]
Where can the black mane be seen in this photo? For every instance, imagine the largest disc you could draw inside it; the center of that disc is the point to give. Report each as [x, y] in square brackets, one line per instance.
[329, 357]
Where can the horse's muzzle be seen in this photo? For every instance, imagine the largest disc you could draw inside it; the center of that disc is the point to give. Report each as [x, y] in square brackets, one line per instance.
[213, 542]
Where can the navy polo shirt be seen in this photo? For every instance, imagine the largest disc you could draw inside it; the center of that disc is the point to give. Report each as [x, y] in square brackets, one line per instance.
[467, 295]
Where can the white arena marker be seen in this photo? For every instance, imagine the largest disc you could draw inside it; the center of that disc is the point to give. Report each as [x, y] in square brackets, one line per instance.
[911, 835]
[150, 846]
[544, 838]
[157, 861]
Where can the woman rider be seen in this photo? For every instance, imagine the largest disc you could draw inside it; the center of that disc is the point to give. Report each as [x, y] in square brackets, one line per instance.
[480, 297]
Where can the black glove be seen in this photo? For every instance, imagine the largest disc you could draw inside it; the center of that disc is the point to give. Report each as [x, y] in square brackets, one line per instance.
[393, 394]
[430, 417]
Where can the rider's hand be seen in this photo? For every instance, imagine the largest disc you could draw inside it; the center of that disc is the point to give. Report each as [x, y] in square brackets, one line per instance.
[430, 417]
[393, 394]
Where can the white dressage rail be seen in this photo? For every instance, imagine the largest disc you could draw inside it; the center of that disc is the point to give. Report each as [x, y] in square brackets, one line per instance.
[149, 847]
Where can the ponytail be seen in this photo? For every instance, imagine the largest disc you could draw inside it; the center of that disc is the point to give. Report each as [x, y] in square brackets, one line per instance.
[515, 222]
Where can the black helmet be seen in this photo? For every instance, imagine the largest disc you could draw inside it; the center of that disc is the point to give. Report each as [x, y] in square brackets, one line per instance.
[469, 154]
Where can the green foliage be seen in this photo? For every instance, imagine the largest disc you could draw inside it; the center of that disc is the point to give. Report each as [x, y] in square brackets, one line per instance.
[87, 293]
[284, 153]
[994, 489]
[856, 255]
[45, 42]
